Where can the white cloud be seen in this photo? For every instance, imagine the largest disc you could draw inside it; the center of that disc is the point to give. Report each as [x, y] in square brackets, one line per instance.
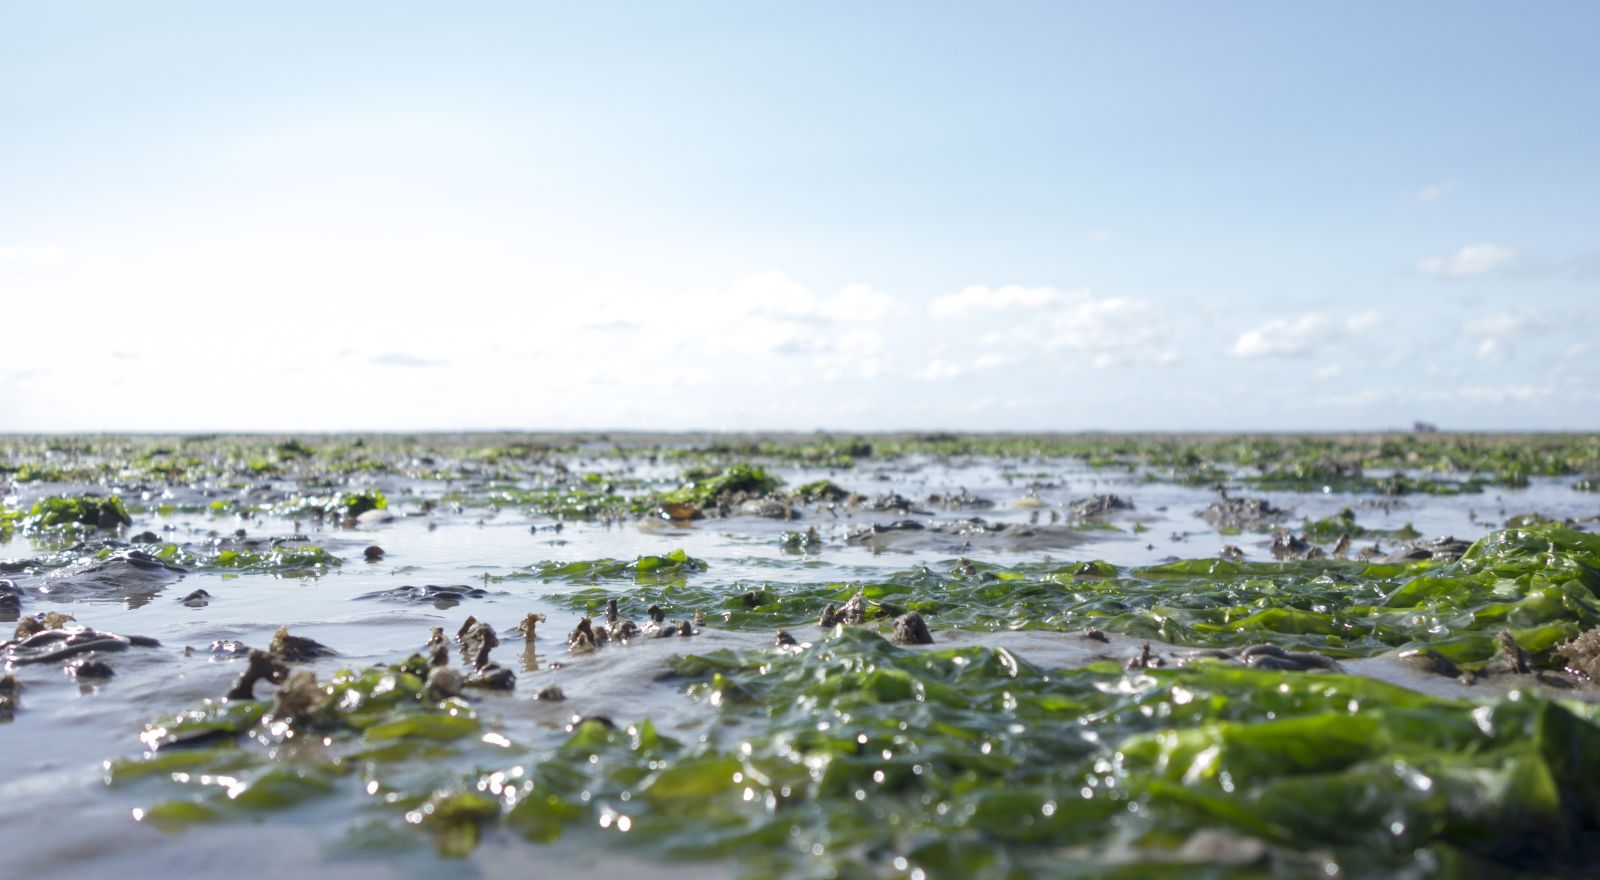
[19, 253]
[939, 369]
[995, 299]
[1501, 393]
[1109, 330]
[1363, 322]
[855, 354]
[1100, 236]
[1433, 191]
[1288, 337]
[1474, 259]
[1497, 332]
[1331, 371]
[857, 303]
[1499, 324]
[772, 294]
[1282, 336]
[401, 359]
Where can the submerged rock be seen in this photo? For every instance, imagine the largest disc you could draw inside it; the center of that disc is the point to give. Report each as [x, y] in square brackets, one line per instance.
[618, 629]
[10, 697]
[260, 665]
[1511, 658]
[770, 507]
[10, 597]
[197, 599]
[1442, 549]
[529, 626]
[1265, 657]
[1243, 514]
[1097, 506]
[853, 612]
[892, 501]
[444, 683]
[89, 669]
[439, 596]
[1288, 546]
[909, 629]
[299, 698]
[125, 574]
[582, 639]
[1430, 661]
[963, 500]
[1145, 659]
[59, 645]
[294, 649]
[477, 642]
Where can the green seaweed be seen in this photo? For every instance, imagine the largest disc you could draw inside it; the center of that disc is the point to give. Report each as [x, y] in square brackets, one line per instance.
[253, 761]
[88, 511]
[854, 757]
[670, 568]
[1539, 583]
[708, 486]
[344, 504]
[284, 560]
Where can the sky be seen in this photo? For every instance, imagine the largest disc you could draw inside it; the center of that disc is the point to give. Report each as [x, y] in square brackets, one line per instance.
[795, 216]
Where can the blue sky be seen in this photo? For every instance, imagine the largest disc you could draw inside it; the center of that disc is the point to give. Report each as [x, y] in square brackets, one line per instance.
[1003, 217]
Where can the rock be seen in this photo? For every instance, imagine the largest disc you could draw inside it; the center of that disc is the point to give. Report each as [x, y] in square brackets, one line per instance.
[1430, 661]
[443, 683]
[58, 645]
[374, 517]
[1443, 549]
[853, 612]
[259, 666]
[582, 639]
[1144, 660]
[10, 698]
[477, 642]
[91, 669]
[1243, 514]
[492, 677]
[1097, 506]
[294, 649]
[909, 629]
[439, 596]
[10, 597]
[125, 574]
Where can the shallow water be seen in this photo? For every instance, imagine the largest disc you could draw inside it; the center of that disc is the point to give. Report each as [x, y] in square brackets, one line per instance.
[59, 818]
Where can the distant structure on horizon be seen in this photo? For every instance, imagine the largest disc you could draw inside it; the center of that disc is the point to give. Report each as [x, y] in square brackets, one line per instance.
[1424, 428]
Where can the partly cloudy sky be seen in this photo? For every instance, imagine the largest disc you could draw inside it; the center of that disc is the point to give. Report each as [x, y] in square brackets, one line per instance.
[1041, 216]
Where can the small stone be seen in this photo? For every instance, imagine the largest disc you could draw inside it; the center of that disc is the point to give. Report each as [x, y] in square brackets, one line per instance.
[443, 683]
[553, 692]
[910, 629]
[90, 669]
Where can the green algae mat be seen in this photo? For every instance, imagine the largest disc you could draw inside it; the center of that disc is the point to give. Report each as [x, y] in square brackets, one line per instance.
[1359, 656]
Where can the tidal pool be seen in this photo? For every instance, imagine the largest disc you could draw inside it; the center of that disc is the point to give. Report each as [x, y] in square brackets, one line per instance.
[1162, 655]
